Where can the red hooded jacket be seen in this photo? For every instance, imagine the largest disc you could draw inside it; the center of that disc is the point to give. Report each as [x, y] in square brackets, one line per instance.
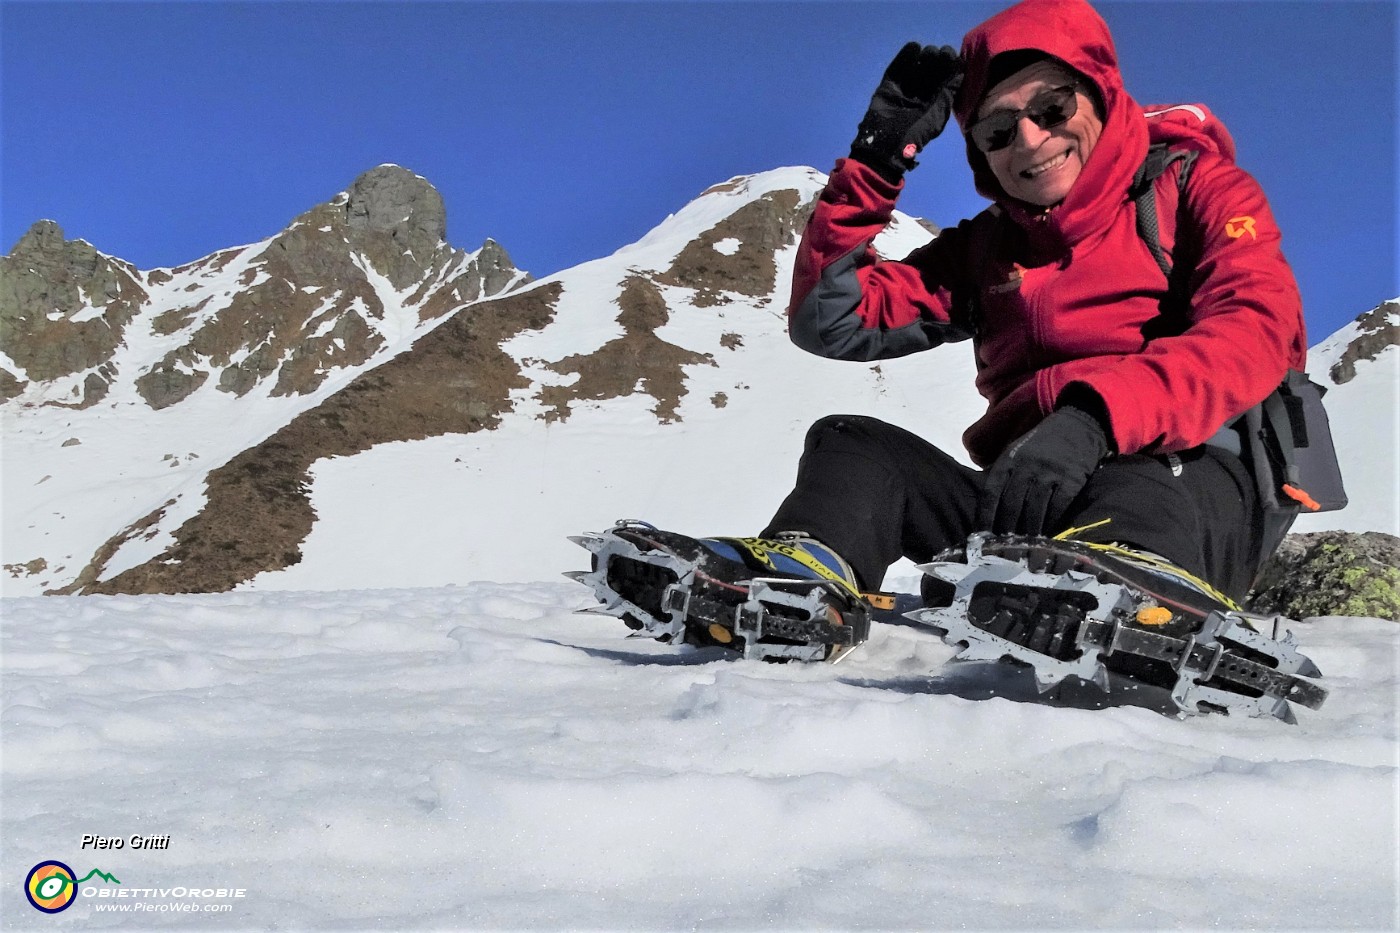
[1071, 295]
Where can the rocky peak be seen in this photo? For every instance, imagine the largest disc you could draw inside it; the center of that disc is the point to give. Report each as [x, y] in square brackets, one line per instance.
[397, 220]
[63, 305]
[344, 281]
[390, 216]
[393, 200]
[45, 238]
[495, 268]
[71, 264]
[738, 253]
[313, 306]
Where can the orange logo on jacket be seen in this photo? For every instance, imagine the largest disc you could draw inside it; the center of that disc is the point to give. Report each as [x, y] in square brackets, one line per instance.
[1237, 227]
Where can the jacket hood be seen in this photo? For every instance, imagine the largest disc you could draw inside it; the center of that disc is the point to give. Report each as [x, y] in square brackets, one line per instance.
[1073, 32]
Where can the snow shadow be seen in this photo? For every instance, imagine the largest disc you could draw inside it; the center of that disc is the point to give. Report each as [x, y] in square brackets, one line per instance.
[985, 680]
[685, 656]
[967, 680]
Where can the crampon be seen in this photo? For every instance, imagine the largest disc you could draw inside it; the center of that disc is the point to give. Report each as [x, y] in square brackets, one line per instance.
[675, 589]
[1069, 609]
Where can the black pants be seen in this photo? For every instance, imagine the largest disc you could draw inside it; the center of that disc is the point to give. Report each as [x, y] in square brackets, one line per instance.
[875, 493]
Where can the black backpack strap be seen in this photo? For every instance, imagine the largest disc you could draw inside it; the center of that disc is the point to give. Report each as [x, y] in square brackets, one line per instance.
[1159, 159]
[985, 232]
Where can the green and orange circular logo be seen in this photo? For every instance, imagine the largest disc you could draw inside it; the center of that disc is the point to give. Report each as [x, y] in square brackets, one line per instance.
[50, 887]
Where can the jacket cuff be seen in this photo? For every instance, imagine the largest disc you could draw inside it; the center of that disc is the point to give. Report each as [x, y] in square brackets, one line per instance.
[867, 181]
[1081, 397]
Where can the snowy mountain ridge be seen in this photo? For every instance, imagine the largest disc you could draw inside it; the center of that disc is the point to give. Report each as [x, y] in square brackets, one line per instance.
[144, 381]
[344, 281]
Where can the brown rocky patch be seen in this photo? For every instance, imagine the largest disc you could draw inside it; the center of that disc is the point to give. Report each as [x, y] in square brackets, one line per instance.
[277, 324]
[215, 262]
[310, 362]
[637, 361]
[97, 384]
[736, 184]
[177, 319]
[454, 380]
[94, 388]
[761, 227]
[1380, 328]
[10, 385]
[488, 274]
[32, 568]
[165, 385]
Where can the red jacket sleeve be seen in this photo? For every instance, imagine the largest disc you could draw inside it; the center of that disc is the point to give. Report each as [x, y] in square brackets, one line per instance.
[846, 303]
[1246, 322]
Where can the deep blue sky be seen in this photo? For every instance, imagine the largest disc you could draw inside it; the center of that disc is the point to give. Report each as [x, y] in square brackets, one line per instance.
[162, 132]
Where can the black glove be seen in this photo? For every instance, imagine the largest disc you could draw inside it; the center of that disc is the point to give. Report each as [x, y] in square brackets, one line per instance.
[1034, 481]
[910, 107]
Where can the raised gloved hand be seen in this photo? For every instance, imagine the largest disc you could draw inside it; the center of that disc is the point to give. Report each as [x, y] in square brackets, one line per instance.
[1033, 482]
[910, 107]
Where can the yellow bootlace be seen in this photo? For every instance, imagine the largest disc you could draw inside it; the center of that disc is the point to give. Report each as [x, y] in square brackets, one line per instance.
[1147, 558]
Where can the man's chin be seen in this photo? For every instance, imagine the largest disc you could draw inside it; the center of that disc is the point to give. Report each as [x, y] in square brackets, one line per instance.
[1045, 193]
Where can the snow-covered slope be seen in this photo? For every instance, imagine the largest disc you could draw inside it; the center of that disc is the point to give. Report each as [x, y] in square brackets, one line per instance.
[480, 758]
[1360, 366]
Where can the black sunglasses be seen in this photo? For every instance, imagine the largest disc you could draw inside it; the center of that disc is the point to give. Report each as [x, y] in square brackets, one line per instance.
[1049, 108]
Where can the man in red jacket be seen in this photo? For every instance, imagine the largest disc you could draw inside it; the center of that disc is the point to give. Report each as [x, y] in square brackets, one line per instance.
[1114, 381]
[1106, 406]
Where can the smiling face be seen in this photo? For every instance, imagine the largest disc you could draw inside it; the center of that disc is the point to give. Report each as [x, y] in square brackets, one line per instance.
[1040, 165]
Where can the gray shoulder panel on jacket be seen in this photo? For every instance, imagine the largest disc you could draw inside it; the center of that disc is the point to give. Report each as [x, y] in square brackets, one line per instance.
[827, 324]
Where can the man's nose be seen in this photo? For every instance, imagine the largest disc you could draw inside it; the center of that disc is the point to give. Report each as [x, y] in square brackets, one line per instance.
[1028, 134]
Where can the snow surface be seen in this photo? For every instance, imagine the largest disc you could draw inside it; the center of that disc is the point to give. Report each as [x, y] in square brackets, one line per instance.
[480, 757]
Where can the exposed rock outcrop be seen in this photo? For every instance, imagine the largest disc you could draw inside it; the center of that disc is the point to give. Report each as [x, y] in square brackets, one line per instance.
[1332, 573]
[63, 305]
[309, 302]
[396, 220]
[738, 254]
[638, 361]
[10, 385]
[1379, 329]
